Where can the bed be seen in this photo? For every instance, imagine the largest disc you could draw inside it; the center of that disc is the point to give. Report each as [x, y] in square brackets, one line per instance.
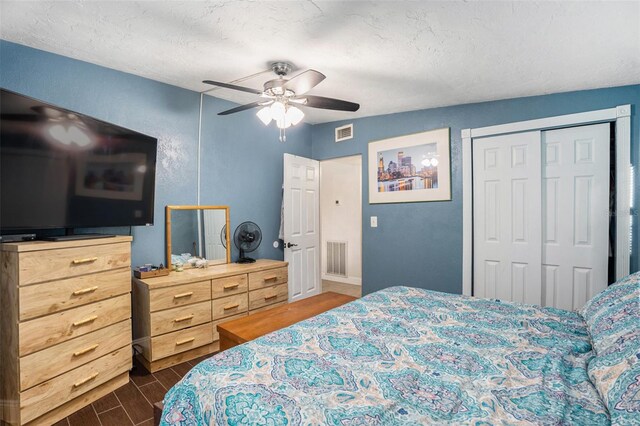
[407, 356]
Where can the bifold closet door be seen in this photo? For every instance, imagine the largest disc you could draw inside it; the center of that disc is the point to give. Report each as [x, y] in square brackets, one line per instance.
[507, 217]
[575, 203]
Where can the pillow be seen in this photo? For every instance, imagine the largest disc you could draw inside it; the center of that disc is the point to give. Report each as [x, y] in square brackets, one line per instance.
[613, 313]
[613, 322]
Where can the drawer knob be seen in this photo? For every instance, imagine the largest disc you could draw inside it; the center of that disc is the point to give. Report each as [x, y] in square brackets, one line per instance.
[270, 297]
[182, 295]
[83, 381]
[270, 278]
[185, 318]
[87, 320]
[185, 341]
[85, 260]
[226, 308]
[230, 286]
[86, 350]
[85, 290]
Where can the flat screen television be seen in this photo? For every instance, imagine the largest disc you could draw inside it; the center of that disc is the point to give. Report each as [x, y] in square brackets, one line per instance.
[62, 169]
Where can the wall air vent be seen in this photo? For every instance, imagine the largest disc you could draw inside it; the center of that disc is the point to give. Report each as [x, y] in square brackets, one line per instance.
[344, 132]
[337, 258]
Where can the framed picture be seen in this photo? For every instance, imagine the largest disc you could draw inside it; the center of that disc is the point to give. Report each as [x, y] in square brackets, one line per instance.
[410, 168]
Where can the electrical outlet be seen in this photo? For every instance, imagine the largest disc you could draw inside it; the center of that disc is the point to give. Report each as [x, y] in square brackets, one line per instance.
[374, 221]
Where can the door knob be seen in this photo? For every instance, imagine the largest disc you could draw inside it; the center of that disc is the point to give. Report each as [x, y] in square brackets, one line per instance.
[289, 245]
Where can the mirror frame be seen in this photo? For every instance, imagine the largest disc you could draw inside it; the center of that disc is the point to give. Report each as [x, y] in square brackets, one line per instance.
[168, 210]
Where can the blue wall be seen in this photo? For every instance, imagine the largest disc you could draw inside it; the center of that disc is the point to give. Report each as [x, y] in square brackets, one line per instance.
[242, 164]
[416, 244]
[420, 244]
[170, 114]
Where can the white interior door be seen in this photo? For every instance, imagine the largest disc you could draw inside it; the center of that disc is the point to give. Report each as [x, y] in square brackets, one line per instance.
[214, 221]
[302, 225]
[507, 217]
[575, 202]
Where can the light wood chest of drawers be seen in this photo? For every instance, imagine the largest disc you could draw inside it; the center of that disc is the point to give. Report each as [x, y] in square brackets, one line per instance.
[175, 317]
[66, 326]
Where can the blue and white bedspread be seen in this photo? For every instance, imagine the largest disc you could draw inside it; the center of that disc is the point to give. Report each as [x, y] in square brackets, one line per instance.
[401, 356]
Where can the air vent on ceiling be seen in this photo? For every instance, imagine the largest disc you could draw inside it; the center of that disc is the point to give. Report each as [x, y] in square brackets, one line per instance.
[344, 132]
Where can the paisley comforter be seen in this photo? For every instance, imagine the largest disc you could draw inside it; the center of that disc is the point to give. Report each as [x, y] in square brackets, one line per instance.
[401, 356]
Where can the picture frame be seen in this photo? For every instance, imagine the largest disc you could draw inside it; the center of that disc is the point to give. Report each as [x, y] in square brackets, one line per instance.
[410, 168]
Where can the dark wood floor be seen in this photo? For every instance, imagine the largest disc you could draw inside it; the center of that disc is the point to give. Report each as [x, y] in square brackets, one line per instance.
[131, 404]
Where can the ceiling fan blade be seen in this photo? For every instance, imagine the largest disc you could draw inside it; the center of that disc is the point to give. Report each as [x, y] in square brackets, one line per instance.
[304, 82]
[242, 108]
[233, 86]
[329, 103]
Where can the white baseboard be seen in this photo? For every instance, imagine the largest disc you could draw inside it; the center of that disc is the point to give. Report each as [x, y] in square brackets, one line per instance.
[348, 280]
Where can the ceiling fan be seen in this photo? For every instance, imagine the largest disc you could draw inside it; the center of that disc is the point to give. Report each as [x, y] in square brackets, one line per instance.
[282, 96]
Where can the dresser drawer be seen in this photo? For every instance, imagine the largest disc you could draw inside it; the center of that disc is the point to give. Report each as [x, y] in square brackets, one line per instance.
[180, 341]
[180, 295]
[47, 298]
[267, 278]
[44, 332]
[216, 335]
[222, 287]
[51, 362]
[178, 318]
[47, 265]
[230, 305]
[268, 296]
[49, 395]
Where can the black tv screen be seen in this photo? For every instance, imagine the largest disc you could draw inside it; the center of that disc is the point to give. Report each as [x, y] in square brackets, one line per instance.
[62, 169]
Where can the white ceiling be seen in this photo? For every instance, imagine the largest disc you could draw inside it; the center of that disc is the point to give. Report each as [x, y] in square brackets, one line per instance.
[388, 56]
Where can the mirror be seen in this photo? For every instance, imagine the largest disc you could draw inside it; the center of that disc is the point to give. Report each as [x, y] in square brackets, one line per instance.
[197, 232]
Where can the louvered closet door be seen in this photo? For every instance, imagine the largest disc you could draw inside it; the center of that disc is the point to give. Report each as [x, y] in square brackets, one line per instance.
[575, 204]
[507, 217]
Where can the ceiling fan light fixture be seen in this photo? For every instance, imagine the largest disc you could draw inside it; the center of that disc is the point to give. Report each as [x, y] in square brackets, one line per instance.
[294, 115]
[277, 111]
[264, 114]
[283, 123]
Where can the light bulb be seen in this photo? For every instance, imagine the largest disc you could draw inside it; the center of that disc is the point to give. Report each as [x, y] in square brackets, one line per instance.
[294, 115]
[434, 162]
[426, 162]
[277, 111]
[264, 114]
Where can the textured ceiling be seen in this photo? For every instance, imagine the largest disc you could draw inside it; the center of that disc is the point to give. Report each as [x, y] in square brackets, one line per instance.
[387, 56]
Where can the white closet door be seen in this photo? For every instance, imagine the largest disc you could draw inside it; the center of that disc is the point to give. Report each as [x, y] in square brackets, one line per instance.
[575, 203]
[507, 217]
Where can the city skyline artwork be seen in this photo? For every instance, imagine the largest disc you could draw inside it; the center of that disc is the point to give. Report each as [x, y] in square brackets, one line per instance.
[408, 168]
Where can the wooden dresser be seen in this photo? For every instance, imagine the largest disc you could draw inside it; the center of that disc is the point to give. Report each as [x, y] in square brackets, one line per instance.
[66, 326]
[175, 317]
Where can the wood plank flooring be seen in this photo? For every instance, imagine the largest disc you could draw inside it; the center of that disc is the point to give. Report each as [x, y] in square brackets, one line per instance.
[336, 287]
[131, 404]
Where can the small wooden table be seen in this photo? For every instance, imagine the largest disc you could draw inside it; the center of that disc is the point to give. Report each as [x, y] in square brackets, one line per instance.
[242, 330]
